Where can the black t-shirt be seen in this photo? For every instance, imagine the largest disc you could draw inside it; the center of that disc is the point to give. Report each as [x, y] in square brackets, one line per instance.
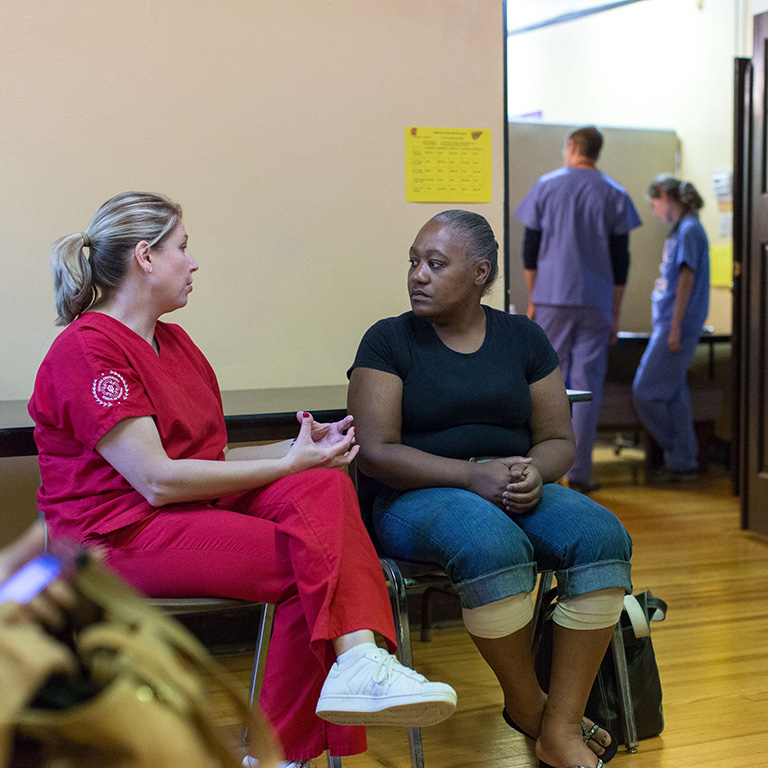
[462, 405]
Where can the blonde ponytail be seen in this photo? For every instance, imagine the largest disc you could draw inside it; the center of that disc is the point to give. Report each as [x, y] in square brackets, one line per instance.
[72, 278]
[81, 280]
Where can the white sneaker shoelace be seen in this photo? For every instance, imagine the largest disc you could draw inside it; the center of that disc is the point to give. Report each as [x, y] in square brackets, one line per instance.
[384, 673]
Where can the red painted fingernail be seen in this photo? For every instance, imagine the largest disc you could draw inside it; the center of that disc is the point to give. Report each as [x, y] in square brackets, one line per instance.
[306, 415]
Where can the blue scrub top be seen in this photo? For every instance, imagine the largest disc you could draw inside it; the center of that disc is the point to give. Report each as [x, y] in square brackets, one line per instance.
[577, 210]
[686, 245]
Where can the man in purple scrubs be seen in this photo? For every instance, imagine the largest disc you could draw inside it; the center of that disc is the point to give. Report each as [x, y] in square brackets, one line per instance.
[576, 257]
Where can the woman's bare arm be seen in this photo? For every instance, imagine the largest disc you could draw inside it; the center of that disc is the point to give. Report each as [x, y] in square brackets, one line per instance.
[134, 449]
[682, 295]
[553, 444]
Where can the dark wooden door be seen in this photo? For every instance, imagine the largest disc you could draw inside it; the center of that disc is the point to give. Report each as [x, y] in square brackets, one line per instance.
[754, 293]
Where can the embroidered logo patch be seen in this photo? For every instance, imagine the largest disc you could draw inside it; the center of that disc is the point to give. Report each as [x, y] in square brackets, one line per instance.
[109, 389]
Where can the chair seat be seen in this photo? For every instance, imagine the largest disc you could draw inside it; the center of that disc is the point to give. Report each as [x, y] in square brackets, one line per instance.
[182, 605]
[419, 574]
[413, 569]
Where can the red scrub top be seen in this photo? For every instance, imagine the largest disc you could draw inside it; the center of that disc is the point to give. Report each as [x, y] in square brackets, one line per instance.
[97, 372]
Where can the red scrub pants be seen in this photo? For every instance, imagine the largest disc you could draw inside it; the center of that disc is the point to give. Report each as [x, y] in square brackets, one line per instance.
[298, 543]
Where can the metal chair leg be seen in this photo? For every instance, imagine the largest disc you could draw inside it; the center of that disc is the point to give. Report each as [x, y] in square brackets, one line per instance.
[260, 655]
[416, 747]
[399, 602]
[427, 603]
[333, 761]
[545, 584]
[625, 690]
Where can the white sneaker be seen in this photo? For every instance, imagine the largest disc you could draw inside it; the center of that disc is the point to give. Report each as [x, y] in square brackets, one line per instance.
[368, 686]
[252, 762]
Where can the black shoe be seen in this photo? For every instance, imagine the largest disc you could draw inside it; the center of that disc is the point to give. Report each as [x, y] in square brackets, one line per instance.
[585, 486]
[512, 724]
[664, 476]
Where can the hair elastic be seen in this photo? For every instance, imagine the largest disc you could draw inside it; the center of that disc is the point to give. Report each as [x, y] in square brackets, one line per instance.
[86, 240]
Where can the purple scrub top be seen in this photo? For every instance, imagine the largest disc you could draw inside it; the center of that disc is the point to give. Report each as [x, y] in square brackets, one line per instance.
[687, 245]
[577, 210]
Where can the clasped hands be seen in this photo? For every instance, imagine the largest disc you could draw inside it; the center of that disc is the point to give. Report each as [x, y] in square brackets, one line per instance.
[514, 483]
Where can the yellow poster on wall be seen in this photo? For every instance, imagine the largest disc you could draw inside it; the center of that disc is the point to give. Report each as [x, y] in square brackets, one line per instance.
[447, 165]
[721, 265]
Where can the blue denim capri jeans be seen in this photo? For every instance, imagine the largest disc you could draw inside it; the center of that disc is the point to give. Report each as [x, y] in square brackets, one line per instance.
[490, 555]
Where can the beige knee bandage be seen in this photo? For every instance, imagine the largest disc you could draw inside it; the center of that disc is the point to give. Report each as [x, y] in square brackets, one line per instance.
[594, 610]
[500, 618]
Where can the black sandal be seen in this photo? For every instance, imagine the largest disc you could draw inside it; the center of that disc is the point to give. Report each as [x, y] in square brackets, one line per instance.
[586, 735]
[542, 764]
[610, 750]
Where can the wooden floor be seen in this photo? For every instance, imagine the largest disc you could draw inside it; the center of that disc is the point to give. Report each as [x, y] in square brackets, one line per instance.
[712, 650]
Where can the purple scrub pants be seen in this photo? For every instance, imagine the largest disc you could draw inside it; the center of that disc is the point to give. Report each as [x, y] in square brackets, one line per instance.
[580, 336]
[663, 401]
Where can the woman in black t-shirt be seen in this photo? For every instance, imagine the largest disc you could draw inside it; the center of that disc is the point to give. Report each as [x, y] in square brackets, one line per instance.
[464, 427]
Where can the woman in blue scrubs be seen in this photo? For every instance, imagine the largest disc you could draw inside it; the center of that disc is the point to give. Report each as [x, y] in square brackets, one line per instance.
[680, 302]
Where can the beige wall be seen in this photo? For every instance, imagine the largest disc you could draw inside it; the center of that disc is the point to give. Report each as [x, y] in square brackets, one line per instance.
[279, 126]
[654, 64]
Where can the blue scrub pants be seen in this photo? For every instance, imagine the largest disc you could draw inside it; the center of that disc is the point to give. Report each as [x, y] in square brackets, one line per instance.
[490, 555]
[580, 336]
[662, 399]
